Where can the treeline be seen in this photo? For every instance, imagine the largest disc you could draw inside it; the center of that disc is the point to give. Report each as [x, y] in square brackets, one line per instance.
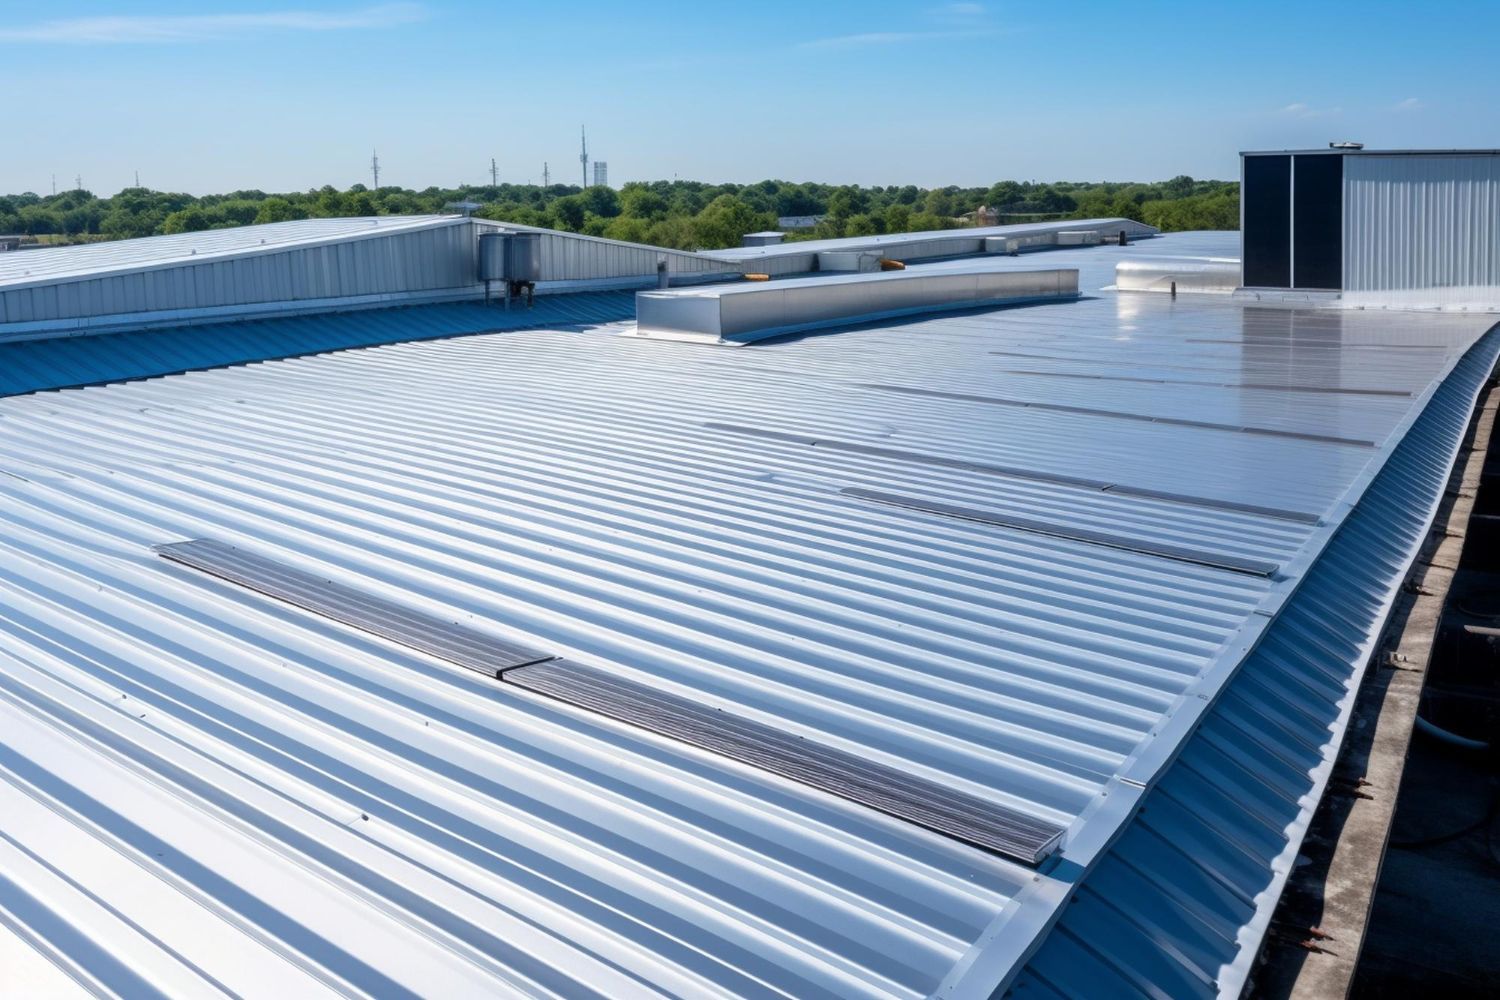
[683, 214]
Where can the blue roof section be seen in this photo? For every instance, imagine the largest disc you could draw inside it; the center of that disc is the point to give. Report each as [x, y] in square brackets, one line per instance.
[58, 362]
[1182, 901]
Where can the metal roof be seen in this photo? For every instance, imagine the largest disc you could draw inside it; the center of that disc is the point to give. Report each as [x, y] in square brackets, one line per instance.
[58, 362]
[1370, 152]
[51, 264]
[898, 240]
[220, 791]
[1177, 906]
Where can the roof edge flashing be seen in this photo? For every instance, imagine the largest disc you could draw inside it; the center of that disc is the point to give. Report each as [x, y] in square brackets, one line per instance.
[740, 314]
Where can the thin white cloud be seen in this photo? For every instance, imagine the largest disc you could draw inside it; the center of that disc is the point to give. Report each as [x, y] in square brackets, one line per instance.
[1301, 109]
[1410, 104]
[959, 11]
[948, 22]
[869, 38]
[131, 29]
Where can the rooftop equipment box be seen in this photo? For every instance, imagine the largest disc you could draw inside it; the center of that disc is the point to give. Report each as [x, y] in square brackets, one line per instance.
[1391, 227]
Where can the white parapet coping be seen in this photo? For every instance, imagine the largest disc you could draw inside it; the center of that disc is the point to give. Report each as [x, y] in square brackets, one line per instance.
[742, 313]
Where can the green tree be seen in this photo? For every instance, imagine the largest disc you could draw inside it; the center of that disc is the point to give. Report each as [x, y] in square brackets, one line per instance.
[279, 210]
[641, 202]
[569, 212]
[725, 220]
[601, 201]
[189, 220]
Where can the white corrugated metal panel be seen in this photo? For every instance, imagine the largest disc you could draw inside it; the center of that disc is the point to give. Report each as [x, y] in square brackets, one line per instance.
[54, 263]
[1426, 228]
[365, 818]
[301, 267]
[575, 257]
[413, 261]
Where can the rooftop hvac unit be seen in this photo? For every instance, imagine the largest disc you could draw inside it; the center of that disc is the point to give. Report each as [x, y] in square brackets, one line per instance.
[512, 258]
[492, 256]
[523, 257]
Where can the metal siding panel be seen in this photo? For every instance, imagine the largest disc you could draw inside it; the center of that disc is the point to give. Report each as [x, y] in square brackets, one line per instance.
[1425, 227]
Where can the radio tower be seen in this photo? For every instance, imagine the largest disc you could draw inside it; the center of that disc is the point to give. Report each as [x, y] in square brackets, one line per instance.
[494, 174]
[583, 156]
[375, 168]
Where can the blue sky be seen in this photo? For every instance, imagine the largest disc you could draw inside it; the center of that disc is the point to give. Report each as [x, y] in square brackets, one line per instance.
[290, 94]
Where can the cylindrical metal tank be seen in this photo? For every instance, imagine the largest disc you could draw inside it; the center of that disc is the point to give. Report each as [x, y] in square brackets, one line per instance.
[492, 256]
[523, 257]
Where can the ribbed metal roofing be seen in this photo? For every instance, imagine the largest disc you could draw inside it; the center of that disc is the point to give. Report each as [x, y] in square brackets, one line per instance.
[1182, 901]
[92, 259]
[58, 362]
[221, 791]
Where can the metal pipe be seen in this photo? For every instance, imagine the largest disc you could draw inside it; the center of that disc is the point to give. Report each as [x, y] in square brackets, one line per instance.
[1452, 739]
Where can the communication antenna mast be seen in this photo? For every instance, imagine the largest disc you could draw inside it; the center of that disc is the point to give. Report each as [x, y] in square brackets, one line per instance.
[137, 178]
[375, 168]
[546, 178]
[583, 156]
[494, 174]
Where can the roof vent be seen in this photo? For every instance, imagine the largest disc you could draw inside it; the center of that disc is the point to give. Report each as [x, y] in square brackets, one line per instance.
[1346, 144]
[740, 314]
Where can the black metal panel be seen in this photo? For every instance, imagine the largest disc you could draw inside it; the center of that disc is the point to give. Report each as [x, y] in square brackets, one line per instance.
[985, 468]
[418, 630]
[1201, 557]
[1119, 415]
[1318, 221]
[885, 789]
[1267, 210]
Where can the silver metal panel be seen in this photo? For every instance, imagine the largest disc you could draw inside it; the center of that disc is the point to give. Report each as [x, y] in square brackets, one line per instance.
[964, 817]
[449, 640]
[1114, 540]
[323, 264]
[1012, 472]
[1155, 418]
[410, 260]
[52, 264]
[1422, 230]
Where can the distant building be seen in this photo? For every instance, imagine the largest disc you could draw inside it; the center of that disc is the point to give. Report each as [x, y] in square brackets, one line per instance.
[765, 239]
[10, 243]
[799, 221]
[601, 173]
